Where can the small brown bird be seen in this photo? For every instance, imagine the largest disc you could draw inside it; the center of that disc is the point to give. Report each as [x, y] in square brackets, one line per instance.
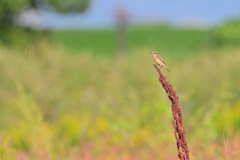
[159, 60]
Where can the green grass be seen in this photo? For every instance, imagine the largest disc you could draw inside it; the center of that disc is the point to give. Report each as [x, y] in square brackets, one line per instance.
[58, 105]
[176, 42]
[69, 106]
[94, 41]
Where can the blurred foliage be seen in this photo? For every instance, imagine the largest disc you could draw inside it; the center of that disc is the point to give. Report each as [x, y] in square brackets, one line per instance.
[10, 10]
[177, 42]
[69, 5]
[228, 34]
[74, 106]
[18, 38]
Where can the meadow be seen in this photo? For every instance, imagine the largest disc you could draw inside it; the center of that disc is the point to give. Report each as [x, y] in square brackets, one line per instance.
[75, 99]
[175, 41]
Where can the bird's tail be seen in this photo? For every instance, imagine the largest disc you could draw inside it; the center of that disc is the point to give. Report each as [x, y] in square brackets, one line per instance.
[167, 68]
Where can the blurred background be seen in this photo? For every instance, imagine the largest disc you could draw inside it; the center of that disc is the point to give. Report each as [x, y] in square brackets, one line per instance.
[77, 80]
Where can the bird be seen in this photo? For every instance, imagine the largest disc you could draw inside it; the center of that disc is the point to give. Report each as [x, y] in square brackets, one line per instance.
[159, 60]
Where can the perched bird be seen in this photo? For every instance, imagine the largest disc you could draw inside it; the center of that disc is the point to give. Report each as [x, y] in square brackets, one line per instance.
[159, 60]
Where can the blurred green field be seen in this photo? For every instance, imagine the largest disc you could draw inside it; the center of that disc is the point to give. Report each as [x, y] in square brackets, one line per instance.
[174, 41]
[61, 101]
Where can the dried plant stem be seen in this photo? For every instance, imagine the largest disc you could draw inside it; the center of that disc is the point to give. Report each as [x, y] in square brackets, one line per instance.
[179, 131]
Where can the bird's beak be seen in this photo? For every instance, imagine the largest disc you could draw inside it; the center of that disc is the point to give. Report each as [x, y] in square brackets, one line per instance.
[150, 52]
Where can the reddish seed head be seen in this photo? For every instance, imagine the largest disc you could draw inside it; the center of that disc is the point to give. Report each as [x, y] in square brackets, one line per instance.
[179, 131]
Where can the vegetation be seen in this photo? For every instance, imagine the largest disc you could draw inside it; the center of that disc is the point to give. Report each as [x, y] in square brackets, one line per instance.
[63, 106]
[10, 30]
[82, 102]
[175, 41]
[228, 34]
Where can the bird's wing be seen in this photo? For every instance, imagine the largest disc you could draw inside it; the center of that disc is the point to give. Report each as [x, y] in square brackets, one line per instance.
[161, 59]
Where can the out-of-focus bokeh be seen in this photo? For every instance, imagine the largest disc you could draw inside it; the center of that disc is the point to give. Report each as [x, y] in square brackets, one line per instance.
[77, 80]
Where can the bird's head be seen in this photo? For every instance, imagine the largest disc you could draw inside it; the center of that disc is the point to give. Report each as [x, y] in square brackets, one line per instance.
[153, 53]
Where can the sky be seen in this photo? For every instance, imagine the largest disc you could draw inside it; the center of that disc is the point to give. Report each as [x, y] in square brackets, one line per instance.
[101, 13]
